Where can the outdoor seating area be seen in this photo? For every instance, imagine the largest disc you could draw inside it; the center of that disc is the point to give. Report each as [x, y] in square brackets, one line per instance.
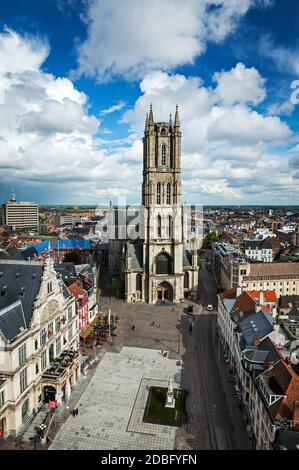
[97, 333]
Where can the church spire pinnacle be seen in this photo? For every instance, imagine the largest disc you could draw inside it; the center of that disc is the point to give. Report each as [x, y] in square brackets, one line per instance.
[170, 121]
[176, 118]
[151, 116]
[146, 122]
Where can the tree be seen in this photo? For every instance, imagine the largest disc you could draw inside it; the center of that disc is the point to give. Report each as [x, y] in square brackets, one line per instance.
[209, 240]
[114, 286]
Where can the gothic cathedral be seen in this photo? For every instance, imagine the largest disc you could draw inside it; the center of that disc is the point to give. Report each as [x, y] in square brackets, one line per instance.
[160, 266]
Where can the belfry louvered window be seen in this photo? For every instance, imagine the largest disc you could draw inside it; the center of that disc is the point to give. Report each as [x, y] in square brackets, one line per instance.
[159, 193]
[163, 155]
[168, 194]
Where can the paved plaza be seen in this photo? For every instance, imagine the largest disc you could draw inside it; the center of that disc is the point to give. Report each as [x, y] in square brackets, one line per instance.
[112, 407]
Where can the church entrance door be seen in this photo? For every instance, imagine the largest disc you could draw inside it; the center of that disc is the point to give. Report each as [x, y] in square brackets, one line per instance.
[164, 292]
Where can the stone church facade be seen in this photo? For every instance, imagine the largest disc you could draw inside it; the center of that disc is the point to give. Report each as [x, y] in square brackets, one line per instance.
[161, 265]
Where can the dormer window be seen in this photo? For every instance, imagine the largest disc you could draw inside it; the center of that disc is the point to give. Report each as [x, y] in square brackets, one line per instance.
[163, 155]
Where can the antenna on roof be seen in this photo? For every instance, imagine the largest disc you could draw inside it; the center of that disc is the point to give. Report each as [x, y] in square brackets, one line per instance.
[13, 196]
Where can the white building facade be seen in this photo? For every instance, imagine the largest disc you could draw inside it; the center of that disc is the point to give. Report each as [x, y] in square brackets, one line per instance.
[39, 340]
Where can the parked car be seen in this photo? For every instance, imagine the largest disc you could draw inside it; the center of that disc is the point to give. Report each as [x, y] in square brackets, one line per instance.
[210, 307]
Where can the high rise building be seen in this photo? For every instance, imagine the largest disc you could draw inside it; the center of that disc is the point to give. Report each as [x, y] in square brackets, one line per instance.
[19, 214]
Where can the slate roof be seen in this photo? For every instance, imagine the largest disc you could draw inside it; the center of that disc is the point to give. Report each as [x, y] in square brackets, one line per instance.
[135, 250]
[67, 272]
[290, 302]
[258, 244]
[20, 281]
[81, 268]
[228, 304]
[258, 324]
[12, 320]
[286, 440]
[187, 259]
[9, 252]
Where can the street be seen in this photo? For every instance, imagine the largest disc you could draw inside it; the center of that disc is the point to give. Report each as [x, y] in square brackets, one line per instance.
[215, 420]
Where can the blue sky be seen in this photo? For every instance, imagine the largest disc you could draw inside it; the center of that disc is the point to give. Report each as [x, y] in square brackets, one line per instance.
[77, 78]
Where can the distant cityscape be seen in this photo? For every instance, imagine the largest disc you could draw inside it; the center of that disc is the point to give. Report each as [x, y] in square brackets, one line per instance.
[149, 231]
[232, 281]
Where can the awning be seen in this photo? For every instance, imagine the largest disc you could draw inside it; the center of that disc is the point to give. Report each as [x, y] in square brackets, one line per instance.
[86, 332]
[94, 321]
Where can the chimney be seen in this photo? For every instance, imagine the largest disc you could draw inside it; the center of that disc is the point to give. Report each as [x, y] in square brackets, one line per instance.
[256, 341]
[239, 291]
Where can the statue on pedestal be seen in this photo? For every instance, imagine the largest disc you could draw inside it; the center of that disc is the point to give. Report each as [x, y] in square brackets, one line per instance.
[170, 400]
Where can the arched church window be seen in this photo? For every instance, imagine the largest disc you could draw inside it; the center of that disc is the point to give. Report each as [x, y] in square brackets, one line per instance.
[159, 193]
[163, 154]
[159, 226]
[163, 264]
[168, 194]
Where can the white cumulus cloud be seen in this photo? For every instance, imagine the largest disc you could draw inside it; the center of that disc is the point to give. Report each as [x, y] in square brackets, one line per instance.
[147, 35]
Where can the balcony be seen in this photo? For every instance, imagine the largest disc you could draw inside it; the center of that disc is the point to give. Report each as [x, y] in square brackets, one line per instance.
[61, 366]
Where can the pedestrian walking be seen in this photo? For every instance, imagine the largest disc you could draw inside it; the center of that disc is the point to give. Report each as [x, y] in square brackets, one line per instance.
[77, 411]
[133, 327]
[74, 413]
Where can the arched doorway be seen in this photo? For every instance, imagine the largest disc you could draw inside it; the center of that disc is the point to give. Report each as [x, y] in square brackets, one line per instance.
[164, 292]
[49, 393]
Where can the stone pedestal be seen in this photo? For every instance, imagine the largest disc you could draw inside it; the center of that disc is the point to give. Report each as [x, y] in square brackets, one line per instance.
[170, 400]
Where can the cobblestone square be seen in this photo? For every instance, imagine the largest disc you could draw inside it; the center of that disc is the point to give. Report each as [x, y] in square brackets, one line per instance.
[111, 408]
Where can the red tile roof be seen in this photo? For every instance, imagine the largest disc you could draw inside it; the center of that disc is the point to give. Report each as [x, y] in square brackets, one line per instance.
[76, 291]
[269, 295]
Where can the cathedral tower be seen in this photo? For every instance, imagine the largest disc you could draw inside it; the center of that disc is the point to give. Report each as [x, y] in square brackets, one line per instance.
[161, 197]
[161, 265]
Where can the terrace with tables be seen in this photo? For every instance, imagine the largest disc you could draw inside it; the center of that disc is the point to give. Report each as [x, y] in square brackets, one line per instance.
[61, 376]
[98, 331]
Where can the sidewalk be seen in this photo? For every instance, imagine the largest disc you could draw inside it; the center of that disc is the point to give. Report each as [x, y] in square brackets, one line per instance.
[63, 412]
[240, 436]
